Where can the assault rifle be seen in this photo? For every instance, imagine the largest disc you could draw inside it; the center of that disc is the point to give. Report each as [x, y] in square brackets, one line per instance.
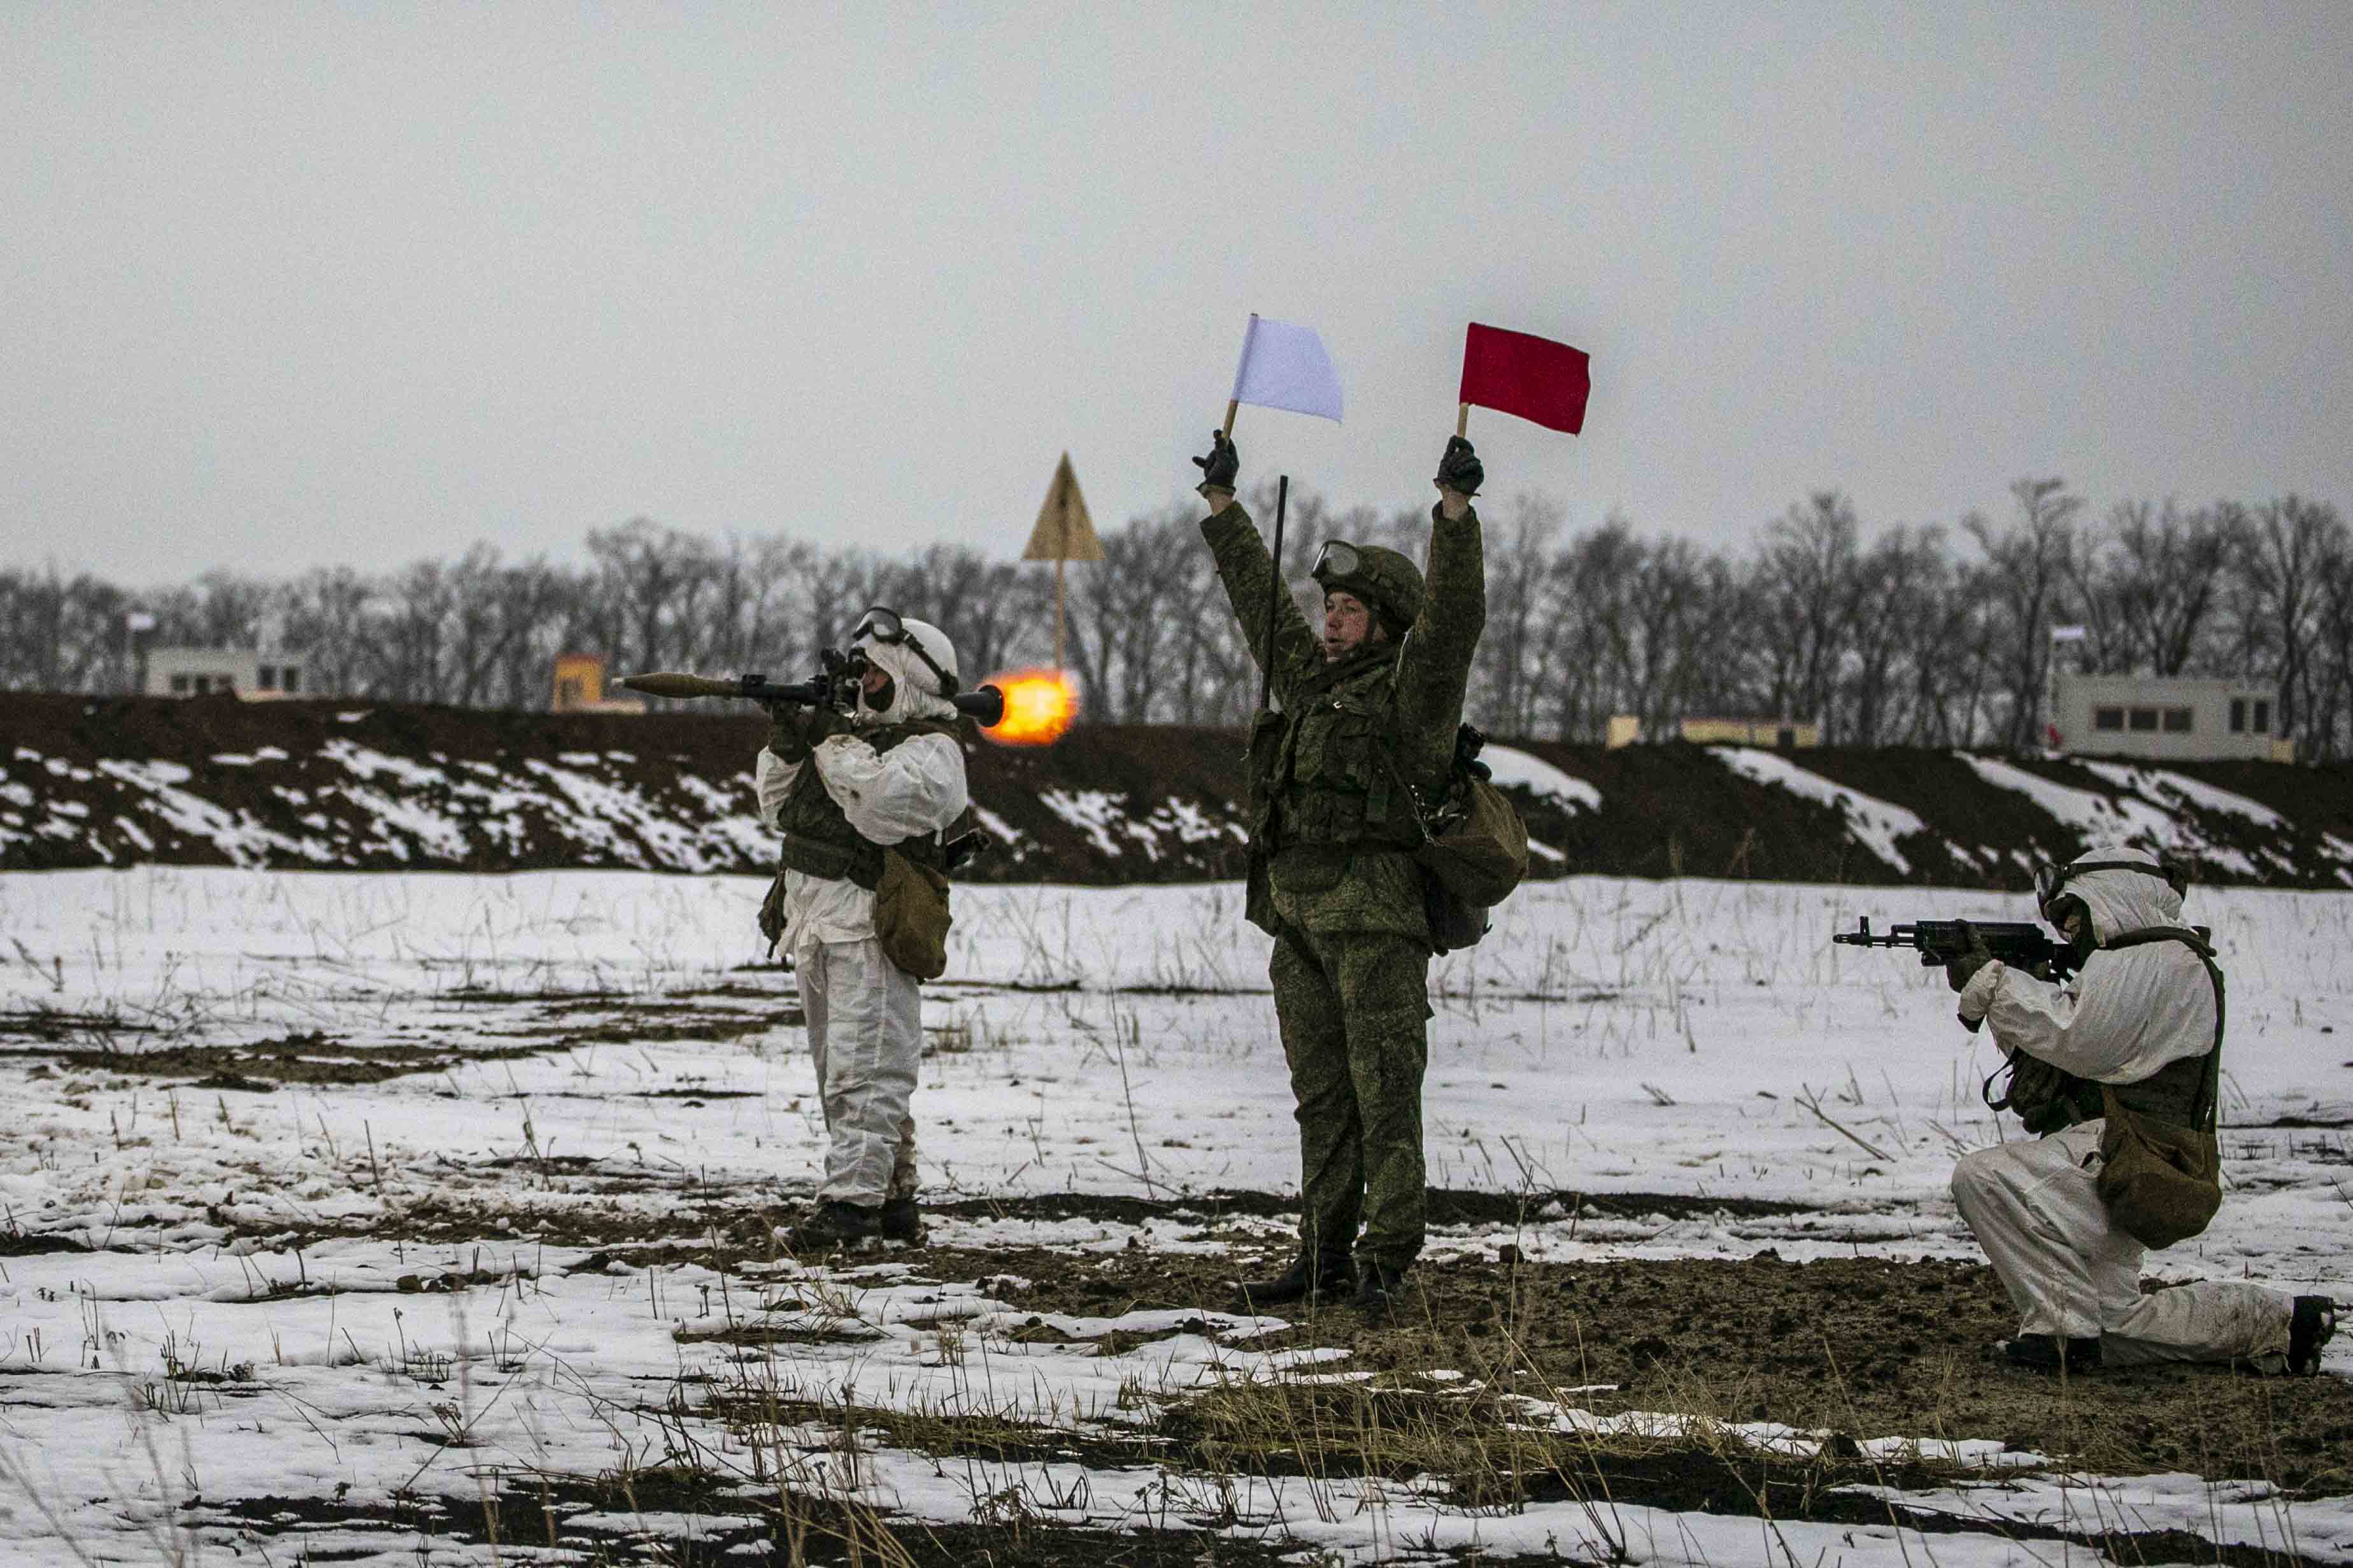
[835, 685]
[2017, 943]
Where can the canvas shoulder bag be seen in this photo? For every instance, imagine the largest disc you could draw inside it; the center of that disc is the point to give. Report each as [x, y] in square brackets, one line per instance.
[2162, 1182]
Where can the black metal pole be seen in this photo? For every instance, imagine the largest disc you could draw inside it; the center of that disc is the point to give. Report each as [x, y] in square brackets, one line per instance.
[1273, 598]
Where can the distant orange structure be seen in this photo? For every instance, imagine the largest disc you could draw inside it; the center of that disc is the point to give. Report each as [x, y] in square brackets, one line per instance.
[1040, 705]
[580, 687]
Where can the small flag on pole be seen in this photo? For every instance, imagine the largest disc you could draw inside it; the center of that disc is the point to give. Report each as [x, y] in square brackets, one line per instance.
[1284, 366]
[2067, 633]
[139, 621]
[1543, 382]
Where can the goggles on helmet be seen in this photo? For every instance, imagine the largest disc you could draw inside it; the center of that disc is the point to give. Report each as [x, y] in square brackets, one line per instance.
[1338, 558]
[2050, 882]
[883, 625]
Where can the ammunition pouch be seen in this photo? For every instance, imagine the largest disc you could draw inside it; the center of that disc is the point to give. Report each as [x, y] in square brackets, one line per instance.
[1473, 850]
[2161, 1182]
[910, 916]
[1477, 846]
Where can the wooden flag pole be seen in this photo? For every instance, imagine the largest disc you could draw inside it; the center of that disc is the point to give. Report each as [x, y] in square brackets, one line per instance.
[1462, 418]
[1273, 599]
[1059, 665]
[1231, 404]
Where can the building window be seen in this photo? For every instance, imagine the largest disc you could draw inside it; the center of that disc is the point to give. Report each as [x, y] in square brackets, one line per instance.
[179, 686]
[290, 678]
[2144, 718]
[267, 677]
[2263, 715]
[200, 684]
[2107, 717]
[2176, 721]
[2237, 715]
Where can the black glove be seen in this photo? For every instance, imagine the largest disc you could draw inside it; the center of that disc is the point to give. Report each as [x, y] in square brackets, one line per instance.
[823, 721]
[1223, 463]
[1973, 957]
[1460, 470]
[787, 731]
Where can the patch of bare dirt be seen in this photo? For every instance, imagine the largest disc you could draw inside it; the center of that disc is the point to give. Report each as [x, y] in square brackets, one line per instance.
[1862, 1347]
[109, 1043]
[263, 1065]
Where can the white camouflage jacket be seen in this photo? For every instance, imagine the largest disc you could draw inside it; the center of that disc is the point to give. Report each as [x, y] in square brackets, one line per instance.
[2126, 1013]
[915, 788]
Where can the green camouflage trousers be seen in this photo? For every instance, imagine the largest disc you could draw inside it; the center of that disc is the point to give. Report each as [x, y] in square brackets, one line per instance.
[1355, 1021]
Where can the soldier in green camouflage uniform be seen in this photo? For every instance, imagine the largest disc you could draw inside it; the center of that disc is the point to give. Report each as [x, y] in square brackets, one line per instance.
[1363, 715]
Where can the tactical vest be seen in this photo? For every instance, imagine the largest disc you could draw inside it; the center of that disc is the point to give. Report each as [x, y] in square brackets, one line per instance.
[818, 840]
[2182, 1092]
[1332, 777]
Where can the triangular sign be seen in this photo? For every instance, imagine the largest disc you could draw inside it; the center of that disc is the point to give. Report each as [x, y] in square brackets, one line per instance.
[1064, 530]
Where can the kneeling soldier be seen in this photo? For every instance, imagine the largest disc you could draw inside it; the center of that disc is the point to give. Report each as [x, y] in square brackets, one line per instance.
[2138, 1032]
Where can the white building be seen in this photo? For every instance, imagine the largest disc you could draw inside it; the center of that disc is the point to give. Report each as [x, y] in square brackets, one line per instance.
[2176, 718]
[240, 671]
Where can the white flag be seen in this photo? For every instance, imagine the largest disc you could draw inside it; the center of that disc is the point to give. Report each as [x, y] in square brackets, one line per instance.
[140, 621]
[2067, 633]
[1284, 366]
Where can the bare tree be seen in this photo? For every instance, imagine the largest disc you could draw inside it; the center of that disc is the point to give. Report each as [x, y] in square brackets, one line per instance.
[2147, 584]
[2028, 582]
[1514, 659]
[2331, 720]
[1806, 585]
[2287, 548]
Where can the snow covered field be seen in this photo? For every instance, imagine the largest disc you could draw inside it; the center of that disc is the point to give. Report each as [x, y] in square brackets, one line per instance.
[328, 1195]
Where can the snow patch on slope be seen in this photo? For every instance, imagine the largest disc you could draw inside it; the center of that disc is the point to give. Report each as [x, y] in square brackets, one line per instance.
[1876, 824]
[2143, 816]
[1510, 769]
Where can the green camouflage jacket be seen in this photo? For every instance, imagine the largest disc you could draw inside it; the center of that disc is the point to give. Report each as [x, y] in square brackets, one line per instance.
[1332, 830]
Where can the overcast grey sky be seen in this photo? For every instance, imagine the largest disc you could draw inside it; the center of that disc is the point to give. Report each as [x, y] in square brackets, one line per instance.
[287, 285]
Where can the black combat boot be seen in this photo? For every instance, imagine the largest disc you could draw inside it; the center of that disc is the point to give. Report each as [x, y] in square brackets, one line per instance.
[2043, 1352]
[2312, 1327]
[901, 1220]
[1379, 1288]
[1312, 1275]
[835, 1223]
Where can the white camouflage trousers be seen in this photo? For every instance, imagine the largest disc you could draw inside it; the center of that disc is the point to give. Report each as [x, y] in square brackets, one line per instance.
[866, 1030]
[2072, 1273]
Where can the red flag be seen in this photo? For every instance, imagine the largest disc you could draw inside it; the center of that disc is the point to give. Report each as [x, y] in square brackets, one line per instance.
[1535, 378]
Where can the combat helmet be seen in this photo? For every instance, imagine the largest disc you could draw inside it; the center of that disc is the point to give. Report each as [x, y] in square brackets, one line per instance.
[1382, 579]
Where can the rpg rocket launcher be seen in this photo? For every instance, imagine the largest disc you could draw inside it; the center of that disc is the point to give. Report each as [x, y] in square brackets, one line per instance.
[835, 685]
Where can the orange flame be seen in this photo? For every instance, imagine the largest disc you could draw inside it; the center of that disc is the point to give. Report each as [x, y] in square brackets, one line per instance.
[1040, 706]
